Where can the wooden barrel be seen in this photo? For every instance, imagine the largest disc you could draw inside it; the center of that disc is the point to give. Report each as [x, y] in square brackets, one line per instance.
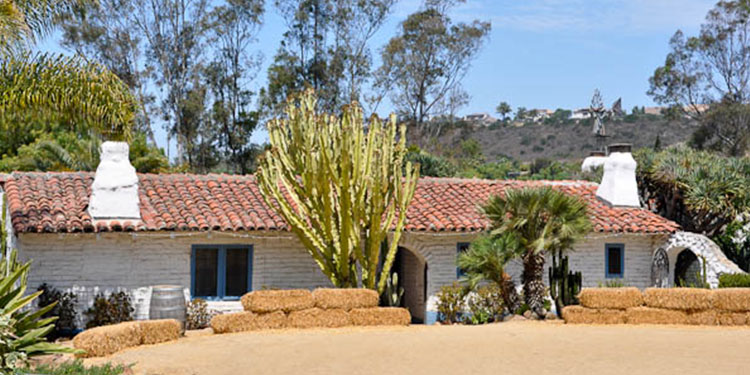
[168, 302]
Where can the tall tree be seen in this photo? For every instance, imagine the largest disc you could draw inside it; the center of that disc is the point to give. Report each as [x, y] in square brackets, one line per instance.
[234, 27]
[427, 60]
[503, 109]
[340, 187]
[712, 67]
[326, 48]
[540, 220]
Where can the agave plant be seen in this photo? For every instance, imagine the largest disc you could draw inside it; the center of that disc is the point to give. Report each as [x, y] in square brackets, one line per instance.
[22, 330]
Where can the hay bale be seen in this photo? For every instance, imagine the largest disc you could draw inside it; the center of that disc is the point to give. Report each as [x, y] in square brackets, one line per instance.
[728, 318]
[318, 318]
[679, 298]
[265, 301]
[247, 321]
[157, 331]
[650, 315]
[347, 299]
[611, 298]
[702, 318]
[106, 340]
[381, 316]
[583, 315]
[732, 299]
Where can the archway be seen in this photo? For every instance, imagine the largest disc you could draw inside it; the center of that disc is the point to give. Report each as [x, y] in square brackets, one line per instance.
[687, 269]
[412, 276]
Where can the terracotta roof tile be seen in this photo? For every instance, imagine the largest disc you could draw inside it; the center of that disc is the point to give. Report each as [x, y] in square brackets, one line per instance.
[58, 202]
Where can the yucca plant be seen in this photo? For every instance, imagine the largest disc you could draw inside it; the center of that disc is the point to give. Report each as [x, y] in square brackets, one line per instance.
[22, 330]
[541, 220]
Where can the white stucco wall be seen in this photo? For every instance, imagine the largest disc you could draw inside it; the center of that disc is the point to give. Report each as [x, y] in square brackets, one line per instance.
[90, 264]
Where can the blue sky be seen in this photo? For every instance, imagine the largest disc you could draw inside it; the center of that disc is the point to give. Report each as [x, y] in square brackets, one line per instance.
[545, 53]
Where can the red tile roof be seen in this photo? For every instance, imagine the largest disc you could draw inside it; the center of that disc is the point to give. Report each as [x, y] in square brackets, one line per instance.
[57, 202]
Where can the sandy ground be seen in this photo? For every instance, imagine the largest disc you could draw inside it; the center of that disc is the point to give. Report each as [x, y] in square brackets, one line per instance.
[533, 348]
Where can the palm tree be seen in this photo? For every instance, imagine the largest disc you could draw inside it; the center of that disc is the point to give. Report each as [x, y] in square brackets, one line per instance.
[486, 259]
[56, 89]
[540, 220]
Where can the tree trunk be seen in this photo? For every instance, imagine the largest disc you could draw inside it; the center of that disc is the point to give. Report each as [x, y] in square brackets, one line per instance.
[510, 294]
[533, 282]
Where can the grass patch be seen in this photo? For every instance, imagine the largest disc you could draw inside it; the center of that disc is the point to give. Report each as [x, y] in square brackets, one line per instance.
[77, 368]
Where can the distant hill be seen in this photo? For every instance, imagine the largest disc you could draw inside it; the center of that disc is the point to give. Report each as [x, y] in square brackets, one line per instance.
[568, 140]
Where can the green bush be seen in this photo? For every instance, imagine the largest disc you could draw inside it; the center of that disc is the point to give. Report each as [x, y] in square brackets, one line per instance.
[734, 280]
[450, 302]
[485, 305]
[115, 309]
[77, 368]
[64, 310]
[612, 283]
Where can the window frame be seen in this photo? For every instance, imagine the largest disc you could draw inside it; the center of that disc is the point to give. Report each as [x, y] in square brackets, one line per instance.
[221, 271]
[607, 274]
[459, 250]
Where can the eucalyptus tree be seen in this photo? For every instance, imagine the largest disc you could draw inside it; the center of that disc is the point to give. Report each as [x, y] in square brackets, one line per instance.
[342, 186]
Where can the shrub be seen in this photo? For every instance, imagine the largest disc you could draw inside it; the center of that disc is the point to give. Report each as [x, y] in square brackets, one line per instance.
[115, 309]
[77, 368]
[450, 302]
[198, 315]
[612, 283]
[65, 310]
[734, 280]
[485, 304]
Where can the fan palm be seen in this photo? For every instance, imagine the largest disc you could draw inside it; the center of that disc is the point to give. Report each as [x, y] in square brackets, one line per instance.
[486, 259]
[540, 220]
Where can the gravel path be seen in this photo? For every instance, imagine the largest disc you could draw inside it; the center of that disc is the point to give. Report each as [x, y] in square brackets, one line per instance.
[533, 348]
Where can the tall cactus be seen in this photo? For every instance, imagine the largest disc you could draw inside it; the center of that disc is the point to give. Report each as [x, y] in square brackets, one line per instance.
[564, 285]
[341, 185]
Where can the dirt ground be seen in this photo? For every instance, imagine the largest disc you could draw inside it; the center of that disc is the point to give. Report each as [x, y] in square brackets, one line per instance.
[534, 348]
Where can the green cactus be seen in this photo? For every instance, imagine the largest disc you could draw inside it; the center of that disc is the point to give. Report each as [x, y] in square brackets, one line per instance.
[342, 186]
[393, 293]
[564, 284]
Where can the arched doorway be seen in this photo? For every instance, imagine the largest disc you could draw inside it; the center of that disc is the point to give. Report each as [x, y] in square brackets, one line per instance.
[412, 276]
[687, 269]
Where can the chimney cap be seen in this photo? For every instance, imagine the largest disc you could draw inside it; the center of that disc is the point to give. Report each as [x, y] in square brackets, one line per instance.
[597, 153]
[619, 147]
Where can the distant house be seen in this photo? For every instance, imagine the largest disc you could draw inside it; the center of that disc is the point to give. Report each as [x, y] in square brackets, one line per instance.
[654, 110]
[580, 114]
[483, 119]
[540, 114]
[215, 236]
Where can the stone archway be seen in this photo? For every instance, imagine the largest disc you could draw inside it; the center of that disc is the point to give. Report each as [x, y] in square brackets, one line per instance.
[412, 276]
[701, 247]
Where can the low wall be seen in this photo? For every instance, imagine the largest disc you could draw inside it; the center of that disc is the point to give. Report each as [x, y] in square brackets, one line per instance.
[724, 307]
[300, 308]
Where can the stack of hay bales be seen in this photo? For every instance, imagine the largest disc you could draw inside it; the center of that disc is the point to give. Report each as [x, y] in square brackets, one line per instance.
[661, 306]
[106, 340]
[322, 308]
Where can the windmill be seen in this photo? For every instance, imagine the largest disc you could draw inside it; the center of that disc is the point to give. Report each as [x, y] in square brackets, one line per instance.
[599, 113]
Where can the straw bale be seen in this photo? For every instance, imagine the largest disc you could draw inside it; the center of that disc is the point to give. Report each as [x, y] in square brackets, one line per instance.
[583, 315]
[157, 331]
[347, 299]
[650, 315]
[679, 298]
[317, 318]
[381, 316]
[732, 299]
[728, 318]
[247, 321]
[105, 340]
[264, 301]
[702, 318]
[611, 298]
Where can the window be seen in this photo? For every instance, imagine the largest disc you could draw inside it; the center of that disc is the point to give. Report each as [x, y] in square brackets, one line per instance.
[221, 271]
[614, 259]
[460, 248]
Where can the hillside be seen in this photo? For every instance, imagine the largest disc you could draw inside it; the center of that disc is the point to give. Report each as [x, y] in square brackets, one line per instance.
[564, 141]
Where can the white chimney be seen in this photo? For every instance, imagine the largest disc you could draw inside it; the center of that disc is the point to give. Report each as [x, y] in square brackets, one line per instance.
[595, 160]
[114, 194]
[619, 187]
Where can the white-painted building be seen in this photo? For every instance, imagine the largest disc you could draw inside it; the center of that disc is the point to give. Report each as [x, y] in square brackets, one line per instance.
[214, 235]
